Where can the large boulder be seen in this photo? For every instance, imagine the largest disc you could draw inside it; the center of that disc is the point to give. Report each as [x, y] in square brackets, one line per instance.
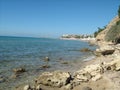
[55, 79]
[106, 50]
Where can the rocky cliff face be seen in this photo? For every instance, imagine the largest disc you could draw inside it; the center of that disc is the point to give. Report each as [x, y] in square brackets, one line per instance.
[101, 36]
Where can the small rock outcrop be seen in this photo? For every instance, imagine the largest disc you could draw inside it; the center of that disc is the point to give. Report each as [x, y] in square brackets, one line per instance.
[55, 79]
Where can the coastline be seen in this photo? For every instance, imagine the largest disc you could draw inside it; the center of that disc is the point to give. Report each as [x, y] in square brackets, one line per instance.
[81, 39]
[100, 70]
[90, 73]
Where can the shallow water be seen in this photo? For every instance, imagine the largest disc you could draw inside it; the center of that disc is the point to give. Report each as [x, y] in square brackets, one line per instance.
[30, 53]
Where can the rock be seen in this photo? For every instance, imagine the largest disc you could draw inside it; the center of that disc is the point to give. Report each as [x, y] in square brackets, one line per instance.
[85, 50]
[86, 88]
[45, 66]
[97, 77]
[64, 62]
[113, 65]
[106, 50]
[82, 76]
[98, 54]
[2, 79]
[14, 76]
[93, 69]
[117, 66]
[46, 59]
[89, 72]
[56, 78]
[68, 87]
[27, 87]
[38, 87]
[19, 70]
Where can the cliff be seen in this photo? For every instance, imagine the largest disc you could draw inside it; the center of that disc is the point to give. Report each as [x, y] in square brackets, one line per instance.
[111, 33]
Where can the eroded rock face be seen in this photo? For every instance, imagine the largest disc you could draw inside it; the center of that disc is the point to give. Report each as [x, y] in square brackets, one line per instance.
[56, 78]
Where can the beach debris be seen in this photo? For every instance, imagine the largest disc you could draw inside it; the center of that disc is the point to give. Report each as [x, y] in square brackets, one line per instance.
[56, 78]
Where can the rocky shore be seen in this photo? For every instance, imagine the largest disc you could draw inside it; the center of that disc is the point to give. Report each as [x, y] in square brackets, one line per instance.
[102, 73]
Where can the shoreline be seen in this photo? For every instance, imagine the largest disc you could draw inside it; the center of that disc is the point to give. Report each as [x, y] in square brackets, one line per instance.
[90, 73]
[100, 70]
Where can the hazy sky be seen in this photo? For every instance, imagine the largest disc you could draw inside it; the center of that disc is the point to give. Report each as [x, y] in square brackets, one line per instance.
[52, 18]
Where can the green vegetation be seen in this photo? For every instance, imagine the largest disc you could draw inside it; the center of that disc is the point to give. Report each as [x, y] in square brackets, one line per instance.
[114, 33]
[119, 12]
[99, 30]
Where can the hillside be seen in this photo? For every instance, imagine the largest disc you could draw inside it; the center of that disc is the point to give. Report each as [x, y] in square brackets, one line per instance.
[111, 33]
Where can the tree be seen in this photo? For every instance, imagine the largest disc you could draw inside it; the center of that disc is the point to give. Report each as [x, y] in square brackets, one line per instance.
[119, 12]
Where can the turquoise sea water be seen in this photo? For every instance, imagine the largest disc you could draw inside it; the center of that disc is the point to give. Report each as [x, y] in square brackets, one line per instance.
[30, 53]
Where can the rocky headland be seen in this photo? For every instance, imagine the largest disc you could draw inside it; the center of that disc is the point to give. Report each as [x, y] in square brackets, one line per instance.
[101, 73]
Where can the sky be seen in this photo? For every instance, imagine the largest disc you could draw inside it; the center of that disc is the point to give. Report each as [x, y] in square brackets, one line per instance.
[53, 18]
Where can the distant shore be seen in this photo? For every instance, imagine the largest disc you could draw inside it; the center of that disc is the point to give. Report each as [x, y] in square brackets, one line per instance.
[81, 39]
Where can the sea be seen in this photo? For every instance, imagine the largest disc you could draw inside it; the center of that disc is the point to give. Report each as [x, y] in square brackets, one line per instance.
[30, 53]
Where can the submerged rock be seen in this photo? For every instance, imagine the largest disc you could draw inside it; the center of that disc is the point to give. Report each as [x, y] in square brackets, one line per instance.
[45, 66]
[2, 79]
[56, 78]
[85, 50]
[19, 70]
[47, 59]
